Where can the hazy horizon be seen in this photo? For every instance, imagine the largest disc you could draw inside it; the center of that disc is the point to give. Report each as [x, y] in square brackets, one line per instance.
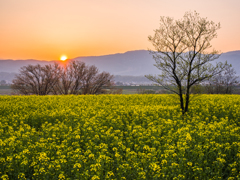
[94, 56]
[45, 30]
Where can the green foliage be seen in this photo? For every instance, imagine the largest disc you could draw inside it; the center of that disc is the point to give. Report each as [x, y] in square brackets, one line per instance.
[119, 137]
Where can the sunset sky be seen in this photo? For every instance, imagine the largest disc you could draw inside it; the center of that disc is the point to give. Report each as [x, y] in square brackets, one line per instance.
[47, 29]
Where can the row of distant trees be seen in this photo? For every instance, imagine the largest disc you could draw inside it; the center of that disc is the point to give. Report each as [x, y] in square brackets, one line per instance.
[226, 82]
[78, 78]
[74, 77]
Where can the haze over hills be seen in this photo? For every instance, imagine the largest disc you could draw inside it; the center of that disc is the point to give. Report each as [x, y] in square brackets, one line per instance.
[131, 63]
[139, 63]
[13, 66]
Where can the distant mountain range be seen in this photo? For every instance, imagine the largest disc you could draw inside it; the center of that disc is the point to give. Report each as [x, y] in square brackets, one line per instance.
[131, 63]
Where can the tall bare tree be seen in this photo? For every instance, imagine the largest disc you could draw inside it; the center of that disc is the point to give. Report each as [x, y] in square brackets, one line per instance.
[36, 79]
[181, 54]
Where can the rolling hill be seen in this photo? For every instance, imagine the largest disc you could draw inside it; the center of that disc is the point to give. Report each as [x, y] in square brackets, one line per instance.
[131, 63]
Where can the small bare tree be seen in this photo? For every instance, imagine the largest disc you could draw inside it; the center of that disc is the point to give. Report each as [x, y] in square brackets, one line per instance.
[224, 82]
[78, 78]
[181, 54]
[73, 78]
[36, 79]
[94, 81]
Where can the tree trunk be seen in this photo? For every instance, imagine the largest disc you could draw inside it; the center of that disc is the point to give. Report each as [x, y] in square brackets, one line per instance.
[181, 98]
[187, 101]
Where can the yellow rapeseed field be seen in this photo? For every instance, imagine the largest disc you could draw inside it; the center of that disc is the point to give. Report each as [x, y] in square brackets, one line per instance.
[119, 137]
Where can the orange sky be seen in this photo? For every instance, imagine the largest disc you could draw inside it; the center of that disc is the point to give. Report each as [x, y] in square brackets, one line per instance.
[46, 29]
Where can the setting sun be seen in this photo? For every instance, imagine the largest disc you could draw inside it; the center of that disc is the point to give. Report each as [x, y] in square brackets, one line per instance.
[63, 58]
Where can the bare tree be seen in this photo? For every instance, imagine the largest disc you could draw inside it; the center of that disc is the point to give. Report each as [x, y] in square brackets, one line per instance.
[181, 54]
[78, 78]
[36, 79]
[94, 81]
[224, 82]
[72, 78]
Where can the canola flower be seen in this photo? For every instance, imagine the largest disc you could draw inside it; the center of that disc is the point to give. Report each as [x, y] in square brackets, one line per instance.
[119, 137]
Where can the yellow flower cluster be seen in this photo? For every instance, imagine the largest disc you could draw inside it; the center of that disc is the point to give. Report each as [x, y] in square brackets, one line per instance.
[119, 137]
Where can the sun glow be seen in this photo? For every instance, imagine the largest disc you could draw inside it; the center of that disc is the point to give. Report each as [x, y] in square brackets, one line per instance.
[63, 58]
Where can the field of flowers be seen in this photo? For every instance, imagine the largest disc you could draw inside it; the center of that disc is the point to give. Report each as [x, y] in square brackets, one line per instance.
[119, 137]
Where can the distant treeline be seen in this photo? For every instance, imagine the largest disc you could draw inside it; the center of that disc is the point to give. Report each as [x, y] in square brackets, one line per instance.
[117, 78]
